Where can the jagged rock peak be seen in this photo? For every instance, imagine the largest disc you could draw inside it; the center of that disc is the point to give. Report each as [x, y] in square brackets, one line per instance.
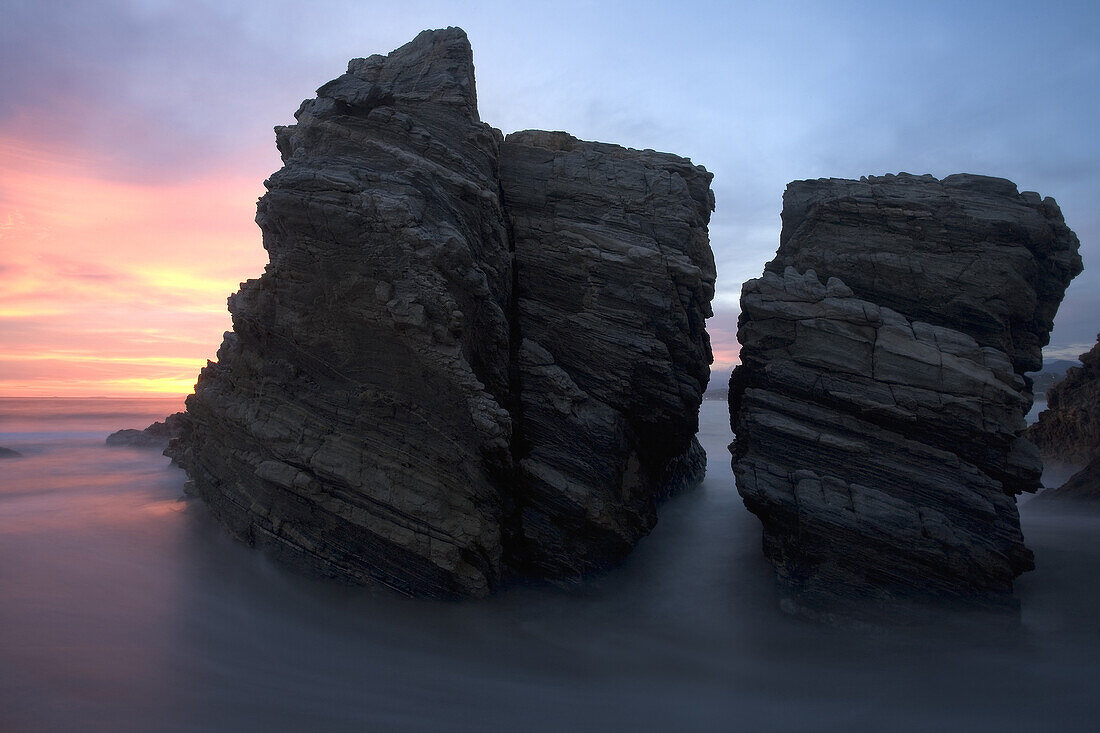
[880, 402]
[436, 67]
[355, 422]
[466, 359]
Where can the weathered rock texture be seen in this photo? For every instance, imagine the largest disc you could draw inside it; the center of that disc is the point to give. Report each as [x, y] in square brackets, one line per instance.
[1068, 431]
[157, 435]
[614, 278]
[880, 402]
[467, 357]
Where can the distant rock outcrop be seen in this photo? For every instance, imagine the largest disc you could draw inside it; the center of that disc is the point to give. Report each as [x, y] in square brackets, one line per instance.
[9, 453]
[1052, 373]
[1081, 486]
[157, 435]
[880, 403]
[1068, 431]
[468, 357]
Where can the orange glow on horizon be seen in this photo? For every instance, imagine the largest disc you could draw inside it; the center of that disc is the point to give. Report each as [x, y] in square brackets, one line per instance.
[114, 288]
[724, 364]
[725, 356]
[179, 386]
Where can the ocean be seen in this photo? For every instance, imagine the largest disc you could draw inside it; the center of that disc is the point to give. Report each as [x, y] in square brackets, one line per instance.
[124, 607]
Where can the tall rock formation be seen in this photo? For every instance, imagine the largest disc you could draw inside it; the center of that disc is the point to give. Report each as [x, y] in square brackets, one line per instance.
[1068, 431]
[465, 359]
[879, 406]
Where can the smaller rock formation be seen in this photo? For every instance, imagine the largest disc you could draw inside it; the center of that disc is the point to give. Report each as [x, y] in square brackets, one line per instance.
[880, 402]
[1068, 431]
[9, 453]
[157, 435]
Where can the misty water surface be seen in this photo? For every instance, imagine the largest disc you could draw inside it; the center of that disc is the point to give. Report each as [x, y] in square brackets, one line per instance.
[124, 607]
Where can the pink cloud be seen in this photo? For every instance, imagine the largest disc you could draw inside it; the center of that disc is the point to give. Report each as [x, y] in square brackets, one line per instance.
[109, 287]
[722, 327]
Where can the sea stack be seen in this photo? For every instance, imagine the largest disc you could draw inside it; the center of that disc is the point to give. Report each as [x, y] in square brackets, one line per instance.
[468, 358]
[879, 407]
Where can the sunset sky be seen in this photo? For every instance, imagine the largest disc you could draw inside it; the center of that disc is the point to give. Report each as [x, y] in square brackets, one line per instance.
[135, 138]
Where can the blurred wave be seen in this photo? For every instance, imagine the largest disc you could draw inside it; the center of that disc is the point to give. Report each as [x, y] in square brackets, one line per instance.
[123, 606]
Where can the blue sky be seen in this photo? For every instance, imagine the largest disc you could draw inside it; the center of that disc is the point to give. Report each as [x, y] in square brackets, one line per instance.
[760, 93]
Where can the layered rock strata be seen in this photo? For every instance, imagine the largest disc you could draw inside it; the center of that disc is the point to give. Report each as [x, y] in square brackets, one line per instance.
[463, 359]
[880, 402]
[614, 278]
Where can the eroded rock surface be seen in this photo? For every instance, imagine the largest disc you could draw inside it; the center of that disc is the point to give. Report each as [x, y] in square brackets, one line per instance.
[413, 395]
[880, 403]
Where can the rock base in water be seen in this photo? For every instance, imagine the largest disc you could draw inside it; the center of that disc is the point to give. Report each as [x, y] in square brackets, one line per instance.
[158, 435]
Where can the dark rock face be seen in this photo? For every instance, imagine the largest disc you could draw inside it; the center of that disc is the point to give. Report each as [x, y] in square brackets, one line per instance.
[9, 453]
[978, 238]
[1069, 429]
[157, 435]
[355, 420]
[414, 396]
[880, 402]
[614, 282]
